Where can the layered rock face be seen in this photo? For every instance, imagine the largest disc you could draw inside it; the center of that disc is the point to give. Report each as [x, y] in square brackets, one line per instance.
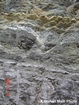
[39, 52]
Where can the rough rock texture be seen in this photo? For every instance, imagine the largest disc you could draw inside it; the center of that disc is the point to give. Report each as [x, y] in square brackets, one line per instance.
[21, 38]
[39, 51]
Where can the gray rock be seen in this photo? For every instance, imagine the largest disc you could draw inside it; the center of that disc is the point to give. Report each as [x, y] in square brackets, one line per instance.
[19, 38]
[42, 62]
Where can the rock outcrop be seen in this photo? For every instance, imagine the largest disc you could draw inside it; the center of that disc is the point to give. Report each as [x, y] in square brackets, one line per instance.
[39, 51]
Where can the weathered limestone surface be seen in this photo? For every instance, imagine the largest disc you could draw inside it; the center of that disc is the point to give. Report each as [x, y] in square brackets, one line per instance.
[39, 51]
